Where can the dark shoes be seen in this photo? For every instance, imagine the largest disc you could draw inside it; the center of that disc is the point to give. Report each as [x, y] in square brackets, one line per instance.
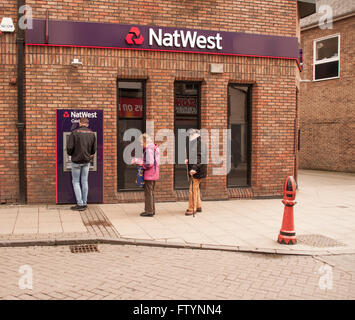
[145, 214]
[190, 213]
[78, 208]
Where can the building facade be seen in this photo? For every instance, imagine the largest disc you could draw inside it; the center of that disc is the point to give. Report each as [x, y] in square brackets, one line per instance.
[327, 100]
[73, 62]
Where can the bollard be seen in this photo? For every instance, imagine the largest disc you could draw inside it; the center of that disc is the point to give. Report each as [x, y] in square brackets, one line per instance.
[287, 233]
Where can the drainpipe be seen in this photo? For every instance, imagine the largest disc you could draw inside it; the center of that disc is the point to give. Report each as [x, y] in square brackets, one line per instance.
[20, 40]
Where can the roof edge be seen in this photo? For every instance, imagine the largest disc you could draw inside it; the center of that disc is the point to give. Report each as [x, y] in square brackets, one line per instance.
[336, 18]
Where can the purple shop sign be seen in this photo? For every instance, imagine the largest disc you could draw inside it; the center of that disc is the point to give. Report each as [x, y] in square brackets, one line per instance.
[155, 38]
[66, 121]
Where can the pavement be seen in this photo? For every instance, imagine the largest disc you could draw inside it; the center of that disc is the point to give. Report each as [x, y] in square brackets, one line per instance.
[324, 222]
[154, 273]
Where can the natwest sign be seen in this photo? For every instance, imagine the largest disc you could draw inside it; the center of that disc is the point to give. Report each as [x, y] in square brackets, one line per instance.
[157, 38]
[181, 38]
[81, 114]
[176, 39]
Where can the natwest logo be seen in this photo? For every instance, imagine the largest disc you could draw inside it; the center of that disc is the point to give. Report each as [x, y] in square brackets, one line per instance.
[176, 39]
[181, 38]
[134, 36]
[83, 114]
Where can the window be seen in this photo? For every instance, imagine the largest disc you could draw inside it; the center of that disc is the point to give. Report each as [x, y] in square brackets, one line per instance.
[239, 124]
[326, 58]
[131, 114]
[187, 116]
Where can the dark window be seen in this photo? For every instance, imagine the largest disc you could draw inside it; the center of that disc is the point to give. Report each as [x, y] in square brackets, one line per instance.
[131, 114]
[239, 123]
[326, 58]
[327, 70]
[187, 116]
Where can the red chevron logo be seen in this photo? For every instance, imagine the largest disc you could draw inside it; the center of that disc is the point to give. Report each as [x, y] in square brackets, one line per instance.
[134, 36]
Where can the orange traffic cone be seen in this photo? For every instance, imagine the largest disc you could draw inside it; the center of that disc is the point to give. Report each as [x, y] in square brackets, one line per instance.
[287, 233]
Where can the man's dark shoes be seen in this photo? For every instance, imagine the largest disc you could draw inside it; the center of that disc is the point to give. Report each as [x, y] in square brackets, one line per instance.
[145, 214]
[78, 208]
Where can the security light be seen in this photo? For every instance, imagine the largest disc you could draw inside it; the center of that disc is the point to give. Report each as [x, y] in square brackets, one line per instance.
[76, 63]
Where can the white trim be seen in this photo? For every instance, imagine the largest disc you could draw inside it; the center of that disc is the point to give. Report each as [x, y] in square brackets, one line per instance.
[328, 37]
[338, 77]
[327, 60]
[324, 61]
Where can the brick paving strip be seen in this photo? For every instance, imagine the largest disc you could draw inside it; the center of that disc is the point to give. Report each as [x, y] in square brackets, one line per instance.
[97, 223]
[138, 272]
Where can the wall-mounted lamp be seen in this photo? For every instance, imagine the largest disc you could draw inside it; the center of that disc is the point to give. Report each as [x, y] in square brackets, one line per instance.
[76, 63]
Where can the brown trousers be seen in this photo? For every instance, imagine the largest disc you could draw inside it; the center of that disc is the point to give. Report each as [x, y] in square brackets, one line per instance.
[194, 195]
[149, 186]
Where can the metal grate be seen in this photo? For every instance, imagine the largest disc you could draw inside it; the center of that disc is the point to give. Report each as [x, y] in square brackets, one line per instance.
[84, 248]
[318, 240]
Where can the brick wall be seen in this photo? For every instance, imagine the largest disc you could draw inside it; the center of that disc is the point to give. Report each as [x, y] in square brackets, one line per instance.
[8, 110]
[52, 83]
[327, 113]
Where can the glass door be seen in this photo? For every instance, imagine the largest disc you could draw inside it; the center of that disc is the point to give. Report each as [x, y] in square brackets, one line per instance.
[131, 114]
[239, 123]
[187, 116]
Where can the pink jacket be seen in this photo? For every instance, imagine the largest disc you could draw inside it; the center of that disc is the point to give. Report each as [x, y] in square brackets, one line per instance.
[151, 171]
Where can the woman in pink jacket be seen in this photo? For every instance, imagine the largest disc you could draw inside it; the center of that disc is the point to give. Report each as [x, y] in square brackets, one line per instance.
[150, 164]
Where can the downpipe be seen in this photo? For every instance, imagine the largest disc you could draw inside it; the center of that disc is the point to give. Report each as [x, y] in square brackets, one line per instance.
[20, 41]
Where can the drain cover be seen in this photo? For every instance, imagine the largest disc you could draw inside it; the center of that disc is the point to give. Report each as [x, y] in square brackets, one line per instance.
[318, 240]
[84, 248]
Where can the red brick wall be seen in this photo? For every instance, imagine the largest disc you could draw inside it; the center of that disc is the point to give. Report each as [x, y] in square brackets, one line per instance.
[327, 113]
[52, 83]
[276, 17]
[8, 110]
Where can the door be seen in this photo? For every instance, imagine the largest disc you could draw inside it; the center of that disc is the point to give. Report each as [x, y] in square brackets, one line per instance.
[239, 123]
[187, 116]
[131, 115]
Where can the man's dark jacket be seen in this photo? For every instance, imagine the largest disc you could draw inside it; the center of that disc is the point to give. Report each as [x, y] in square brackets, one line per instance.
[81, 145]
[194, 155]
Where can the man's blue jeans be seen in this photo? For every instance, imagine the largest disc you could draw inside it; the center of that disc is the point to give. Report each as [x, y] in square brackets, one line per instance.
[80, 170]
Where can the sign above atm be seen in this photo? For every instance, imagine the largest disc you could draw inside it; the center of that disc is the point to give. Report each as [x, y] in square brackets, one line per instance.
[121, 36]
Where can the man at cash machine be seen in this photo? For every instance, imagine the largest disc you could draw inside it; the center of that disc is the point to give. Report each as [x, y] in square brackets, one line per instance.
[81, 147]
